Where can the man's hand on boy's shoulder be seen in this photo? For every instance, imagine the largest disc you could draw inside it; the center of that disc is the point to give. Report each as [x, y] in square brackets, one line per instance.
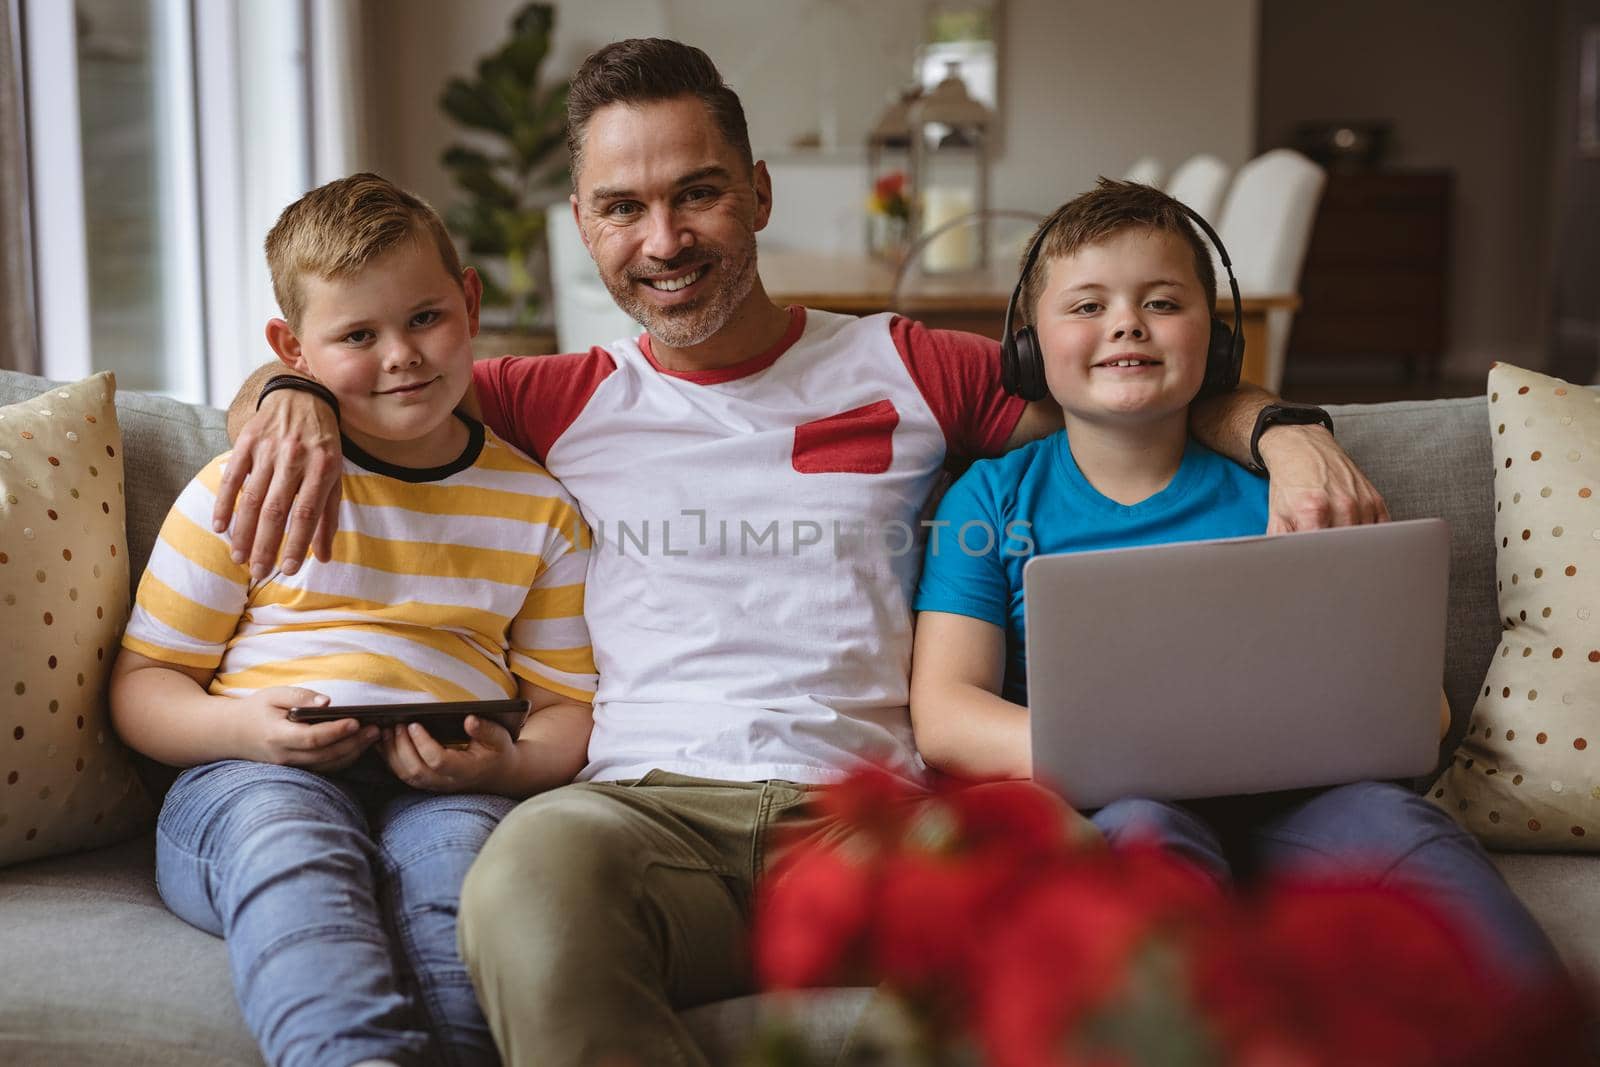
[1313, 484]
[281, 484]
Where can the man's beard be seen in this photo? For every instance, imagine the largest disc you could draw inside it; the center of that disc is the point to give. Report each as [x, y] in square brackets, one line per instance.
[732, 278]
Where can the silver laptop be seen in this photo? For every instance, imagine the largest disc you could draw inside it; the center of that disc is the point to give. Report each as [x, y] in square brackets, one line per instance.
[1246, 665]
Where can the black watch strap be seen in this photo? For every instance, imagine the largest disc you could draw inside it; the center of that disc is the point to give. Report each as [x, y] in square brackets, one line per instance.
[304, 385]
[1283, 415]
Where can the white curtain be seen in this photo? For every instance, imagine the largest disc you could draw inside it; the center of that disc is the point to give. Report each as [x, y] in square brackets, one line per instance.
[19, 348]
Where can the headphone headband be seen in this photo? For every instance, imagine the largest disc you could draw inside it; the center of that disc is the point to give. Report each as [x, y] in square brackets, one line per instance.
[1044, 230]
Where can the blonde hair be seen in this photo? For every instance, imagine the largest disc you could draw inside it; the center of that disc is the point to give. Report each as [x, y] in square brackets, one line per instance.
[337, 229]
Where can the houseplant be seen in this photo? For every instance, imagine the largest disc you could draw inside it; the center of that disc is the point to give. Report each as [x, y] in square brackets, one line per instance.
[508, 173]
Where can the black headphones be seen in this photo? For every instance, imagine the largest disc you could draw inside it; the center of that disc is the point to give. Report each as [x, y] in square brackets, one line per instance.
[1022, 362]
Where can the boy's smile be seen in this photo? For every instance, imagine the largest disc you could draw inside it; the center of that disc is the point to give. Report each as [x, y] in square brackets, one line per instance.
[393, 341]
[1124, 327]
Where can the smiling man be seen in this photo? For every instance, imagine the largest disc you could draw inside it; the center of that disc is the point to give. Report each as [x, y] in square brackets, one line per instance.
[754, 476]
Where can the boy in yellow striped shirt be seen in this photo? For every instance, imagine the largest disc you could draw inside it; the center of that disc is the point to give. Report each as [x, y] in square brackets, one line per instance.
[457, 574]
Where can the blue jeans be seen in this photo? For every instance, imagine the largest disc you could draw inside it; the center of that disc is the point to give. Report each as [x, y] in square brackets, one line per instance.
[338, 903]
[1373, 827]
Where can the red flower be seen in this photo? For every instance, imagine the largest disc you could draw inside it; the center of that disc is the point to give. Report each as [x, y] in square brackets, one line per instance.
[1019, 818]
[1065, 948]
[811, 916]
[980, 908]
[931, 913]
[1063, 951]
[871, 801]
[1346, 973]
[889, 186]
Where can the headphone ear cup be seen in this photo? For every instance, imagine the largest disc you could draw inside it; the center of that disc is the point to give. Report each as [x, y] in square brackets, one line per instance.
[1224, 359]
[1009, 373]
[1030, 379]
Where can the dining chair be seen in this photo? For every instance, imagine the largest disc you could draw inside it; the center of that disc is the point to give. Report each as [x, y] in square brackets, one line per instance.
[1266, 226]
[584, 311]
[1199, 182]
[1146, 170]
[979, 252]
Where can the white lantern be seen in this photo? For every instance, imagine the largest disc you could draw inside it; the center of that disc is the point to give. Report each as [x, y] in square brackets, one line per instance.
[949, 173]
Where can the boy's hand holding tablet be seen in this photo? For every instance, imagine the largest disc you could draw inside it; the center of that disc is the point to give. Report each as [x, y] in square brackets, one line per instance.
[440, 746]
[422, 762]
[269, 733]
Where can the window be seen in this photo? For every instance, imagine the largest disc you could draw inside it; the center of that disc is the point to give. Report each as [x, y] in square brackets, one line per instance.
[149, 204]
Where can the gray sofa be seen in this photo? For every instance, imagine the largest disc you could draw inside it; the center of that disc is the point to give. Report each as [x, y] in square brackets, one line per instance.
[93, 969]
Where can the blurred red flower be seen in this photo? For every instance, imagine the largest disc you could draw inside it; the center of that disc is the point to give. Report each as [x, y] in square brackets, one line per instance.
[889, 185]
[988, 915]
[889, 196]
[812, 914]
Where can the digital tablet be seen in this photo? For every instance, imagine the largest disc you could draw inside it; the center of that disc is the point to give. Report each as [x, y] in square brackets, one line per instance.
[445, 721]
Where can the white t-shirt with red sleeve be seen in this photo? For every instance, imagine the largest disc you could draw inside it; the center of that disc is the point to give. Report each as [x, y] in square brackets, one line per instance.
[756, 540]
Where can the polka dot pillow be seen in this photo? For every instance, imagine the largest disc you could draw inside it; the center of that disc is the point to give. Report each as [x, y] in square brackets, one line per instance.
[65, 781]
[1527, 776]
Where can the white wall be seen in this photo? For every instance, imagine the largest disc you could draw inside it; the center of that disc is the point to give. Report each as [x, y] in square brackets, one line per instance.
[1088, 87]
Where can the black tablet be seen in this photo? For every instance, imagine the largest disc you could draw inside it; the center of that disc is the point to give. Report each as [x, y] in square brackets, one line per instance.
[445, 720]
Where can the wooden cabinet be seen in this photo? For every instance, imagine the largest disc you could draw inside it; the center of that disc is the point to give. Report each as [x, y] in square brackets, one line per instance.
[1376, 279]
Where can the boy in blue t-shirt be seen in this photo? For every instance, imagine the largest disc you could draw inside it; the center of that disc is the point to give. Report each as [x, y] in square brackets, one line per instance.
[1121, 298]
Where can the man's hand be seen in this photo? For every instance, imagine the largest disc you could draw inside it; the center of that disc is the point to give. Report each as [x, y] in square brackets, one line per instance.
[284, 472]
[1313, 484]
[423, 763]
[269, 736]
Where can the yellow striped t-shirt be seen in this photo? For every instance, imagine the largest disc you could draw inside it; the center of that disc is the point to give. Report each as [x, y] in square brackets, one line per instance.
[444, 583]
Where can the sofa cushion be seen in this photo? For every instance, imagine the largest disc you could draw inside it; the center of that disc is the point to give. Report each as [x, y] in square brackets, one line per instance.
[99, 972]
[111, 976]
[1562, 891]
[164, 443]
[1431, 459]
[1526, 776]
[65, 781]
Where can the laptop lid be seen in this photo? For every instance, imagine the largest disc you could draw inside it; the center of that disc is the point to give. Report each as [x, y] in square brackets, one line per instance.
[1244, 665]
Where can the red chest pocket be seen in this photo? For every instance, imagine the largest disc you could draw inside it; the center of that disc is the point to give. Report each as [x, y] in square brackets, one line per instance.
[858, 441]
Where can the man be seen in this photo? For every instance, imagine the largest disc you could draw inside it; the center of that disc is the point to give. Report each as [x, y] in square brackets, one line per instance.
[754, 475]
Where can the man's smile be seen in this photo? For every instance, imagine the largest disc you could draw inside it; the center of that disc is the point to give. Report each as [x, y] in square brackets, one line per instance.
[672, 285]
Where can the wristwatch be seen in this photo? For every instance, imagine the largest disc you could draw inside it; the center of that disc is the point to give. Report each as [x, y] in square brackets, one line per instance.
[1282, 414]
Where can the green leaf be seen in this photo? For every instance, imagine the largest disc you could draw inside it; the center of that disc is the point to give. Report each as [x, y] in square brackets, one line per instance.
[526, 229]
[494, 293]
[463, 158]
[534, 20]
[560, 174]
[471, 106]
[530, 41]
[489, 189]
[475, 224]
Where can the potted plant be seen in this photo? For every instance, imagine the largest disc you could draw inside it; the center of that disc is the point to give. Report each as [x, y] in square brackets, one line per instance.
[507, 175]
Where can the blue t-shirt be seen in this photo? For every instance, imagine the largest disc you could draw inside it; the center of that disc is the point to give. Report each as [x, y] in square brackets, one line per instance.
[1034, 501]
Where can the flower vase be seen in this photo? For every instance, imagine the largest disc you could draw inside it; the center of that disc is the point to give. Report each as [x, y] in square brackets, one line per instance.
[888, 238]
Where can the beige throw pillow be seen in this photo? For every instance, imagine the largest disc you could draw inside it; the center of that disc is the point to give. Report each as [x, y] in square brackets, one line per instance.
[66, 783]
[1527, 776]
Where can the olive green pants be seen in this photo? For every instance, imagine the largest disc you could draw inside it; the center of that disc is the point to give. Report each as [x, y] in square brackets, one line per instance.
[597, 910]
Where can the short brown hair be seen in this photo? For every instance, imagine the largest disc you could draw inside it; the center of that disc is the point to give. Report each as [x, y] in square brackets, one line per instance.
[1108, 209]
[338, 228]
[646, 69]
